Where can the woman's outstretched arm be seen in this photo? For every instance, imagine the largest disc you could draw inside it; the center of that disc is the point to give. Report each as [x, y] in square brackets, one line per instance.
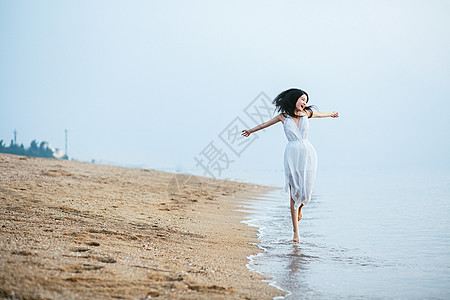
[321, 114]
[263, 125]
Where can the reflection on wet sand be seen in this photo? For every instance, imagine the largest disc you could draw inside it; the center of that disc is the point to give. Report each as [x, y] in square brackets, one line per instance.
[299, 261]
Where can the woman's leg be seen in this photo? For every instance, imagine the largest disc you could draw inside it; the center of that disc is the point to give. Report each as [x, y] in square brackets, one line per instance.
[300, 212]
[294, 216]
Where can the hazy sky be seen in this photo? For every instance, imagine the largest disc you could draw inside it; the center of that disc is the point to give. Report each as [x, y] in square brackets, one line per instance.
[152, 83]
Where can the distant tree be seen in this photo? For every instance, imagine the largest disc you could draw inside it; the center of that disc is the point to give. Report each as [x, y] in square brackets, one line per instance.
[34, 149]
[45, 151]
[22, 150]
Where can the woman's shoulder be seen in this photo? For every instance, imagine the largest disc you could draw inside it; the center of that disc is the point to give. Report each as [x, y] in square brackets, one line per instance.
[308, 113]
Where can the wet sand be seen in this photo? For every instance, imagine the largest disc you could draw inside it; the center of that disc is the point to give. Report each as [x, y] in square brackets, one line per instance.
[73, 230]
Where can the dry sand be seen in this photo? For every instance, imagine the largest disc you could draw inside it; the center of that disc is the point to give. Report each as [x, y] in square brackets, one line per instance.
[72, 230]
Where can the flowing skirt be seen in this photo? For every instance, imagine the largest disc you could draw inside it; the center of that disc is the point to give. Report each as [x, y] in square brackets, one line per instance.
[300, 169]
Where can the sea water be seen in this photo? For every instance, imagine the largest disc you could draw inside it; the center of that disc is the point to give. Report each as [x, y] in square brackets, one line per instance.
[366, 234]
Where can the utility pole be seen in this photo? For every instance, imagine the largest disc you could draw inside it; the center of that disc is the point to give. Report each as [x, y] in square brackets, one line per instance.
[15, 137]
[66, 144]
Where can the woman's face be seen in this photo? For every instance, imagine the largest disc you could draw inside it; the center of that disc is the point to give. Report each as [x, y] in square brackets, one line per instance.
[301, 102]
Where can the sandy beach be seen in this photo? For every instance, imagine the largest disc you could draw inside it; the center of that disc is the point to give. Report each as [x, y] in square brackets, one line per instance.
[73, 230]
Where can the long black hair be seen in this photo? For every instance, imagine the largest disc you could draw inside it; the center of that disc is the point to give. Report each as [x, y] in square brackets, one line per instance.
[287, 100]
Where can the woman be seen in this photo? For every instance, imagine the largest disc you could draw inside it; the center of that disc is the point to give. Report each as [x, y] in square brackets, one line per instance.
[300, 157]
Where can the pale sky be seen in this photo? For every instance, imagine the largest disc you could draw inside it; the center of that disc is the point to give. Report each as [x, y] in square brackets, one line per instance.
[152, 83]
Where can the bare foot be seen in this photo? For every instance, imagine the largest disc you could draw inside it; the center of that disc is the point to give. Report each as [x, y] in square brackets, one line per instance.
[296, 238]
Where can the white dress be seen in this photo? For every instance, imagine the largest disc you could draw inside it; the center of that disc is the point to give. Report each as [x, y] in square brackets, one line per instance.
[300, 161]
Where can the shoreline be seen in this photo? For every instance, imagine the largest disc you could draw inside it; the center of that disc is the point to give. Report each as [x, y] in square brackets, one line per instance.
[261, 220]
[80, 230]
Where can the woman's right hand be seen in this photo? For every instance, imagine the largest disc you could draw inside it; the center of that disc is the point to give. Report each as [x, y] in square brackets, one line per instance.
[246, 132]
[335, 114]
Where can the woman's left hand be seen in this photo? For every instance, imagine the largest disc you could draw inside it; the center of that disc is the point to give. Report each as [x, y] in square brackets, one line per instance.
[335, 114]
[246, 133]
